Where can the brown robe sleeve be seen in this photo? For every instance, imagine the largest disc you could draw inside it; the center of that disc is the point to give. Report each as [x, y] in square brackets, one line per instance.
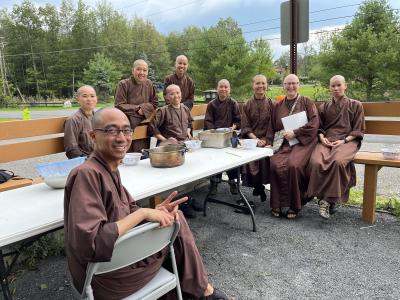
[209, 117]
[157, 121]
[189, 99]
[236, 114]
[121, 99]
[358, 121]
[89, 232]
[71, 132]
[307, 133]
[246, 127]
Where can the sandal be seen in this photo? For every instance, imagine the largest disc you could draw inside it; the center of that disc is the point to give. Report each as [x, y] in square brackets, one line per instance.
[216, 295]
[276, 212]
[291, 214]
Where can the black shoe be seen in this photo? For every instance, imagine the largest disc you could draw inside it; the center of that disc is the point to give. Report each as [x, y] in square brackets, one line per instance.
[258, 190]
[188, 211]
[232, 187]
[263, 196]
[332, 209]
[195, 204]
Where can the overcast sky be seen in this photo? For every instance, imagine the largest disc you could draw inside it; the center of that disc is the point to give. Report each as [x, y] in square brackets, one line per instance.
[175, 15]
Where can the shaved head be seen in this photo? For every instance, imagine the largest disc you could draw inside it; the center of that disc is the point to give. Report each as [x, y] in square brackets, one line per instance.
[338, 78]
[98, 117]
[171, 87]
[181, 57]
[224, 81]
[84, 88]
[258, 77]
[291, 78]
[139, 62]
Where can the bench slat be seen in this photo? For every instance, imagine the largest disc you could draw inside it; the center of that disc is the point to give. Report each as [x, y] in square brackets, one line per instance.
[382, 109]
[29, 128]
[199, 110]
[374, 158]
[25, 150]
[382, 127]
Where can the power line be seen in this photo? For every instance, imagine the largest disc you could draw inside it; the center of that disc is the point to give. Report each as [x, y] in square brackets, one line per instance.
[172, 8]
[131, 5]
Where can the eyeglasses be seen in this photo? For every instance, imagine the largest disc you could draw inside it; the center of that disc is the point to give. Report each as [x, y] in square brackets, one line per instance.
[114, 131]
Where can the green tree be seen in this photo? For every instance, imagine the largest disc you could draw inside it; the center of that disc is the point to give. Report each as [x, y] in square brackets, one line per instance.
[261, 57]
[102, 75]
[366, 51]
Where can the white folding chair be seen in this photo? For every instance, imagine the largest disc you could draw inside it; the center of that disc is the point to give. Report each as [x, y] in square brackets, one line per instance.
[137, 244]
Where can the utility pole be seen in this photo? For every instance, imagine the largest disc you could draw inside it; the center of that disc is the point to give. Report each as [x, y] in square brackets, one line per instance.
[293, 36]
[35, 73]
[3, 69]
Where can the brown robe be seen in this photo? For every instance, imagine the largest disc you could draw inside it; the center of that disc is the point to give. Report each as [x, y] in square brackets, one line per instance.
[77, 141]
[331, 170]
[288, 177]
[256, 119]
[186, 85]
[94, 200]
[131, 96]
[222, 114]
[172, 122]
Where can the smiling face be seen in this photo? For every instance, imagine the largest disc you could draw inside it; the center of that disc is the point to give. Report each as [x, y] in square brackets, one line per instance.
[174, 95]
[337, 86]
[223, 89]
[291, 86]
[112, 148]
[87, 98]
[259, 86]
[181, 65]
[140, 70]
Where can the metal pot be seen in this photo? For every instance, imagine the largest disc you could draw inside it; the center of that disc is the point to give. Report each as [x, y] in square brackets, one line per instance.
[166, 156]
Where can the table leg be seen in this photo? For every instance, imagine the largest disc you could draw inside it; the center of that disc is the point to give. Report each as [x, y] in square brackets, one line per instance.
[369, 197]
[246, 208]
[3, 278]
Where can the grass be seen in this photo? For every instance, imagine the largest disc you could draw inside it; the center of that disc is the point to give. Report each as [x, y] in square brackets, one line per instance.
[390, 203]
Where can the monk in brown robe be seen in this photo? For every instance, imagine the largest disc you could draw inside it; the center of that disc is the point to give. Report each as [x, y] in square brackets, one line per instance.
[98, 210]
[173, 122]
[288, 177]
[137, 98]
[77, 141]
[256, 124]
[181, 79]
[223, 112]
[331, 169]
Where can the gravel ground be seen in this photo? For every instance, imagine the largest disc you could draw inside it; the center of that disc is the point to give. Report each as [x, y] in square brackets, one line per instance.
[307, 258]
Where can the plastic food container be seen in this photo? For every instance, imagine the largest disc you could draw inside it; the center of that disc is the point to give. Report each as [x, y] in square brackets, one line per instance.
[216, 138]
[55, 174]
[131, 159]
[193, 144]
[392, 153]
[249, 144]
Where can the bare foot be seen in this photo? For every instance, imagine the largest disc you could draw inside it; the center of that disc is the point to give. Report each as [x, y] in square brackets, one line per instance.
[209, 290]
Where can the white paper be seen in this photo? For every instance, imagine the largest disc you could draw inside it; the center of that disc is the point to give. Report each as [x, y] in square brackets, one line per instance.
[293, 122]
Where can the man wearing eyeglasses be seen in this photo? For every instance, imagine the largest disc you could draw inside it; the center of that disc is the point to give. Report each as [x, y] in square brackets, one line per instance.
[77, 141]
[98, 210]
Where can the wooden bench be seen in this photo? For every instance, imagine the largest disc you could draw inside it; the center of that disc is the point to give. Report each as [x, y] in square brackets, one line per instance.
[374, 161]
[48, 139]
